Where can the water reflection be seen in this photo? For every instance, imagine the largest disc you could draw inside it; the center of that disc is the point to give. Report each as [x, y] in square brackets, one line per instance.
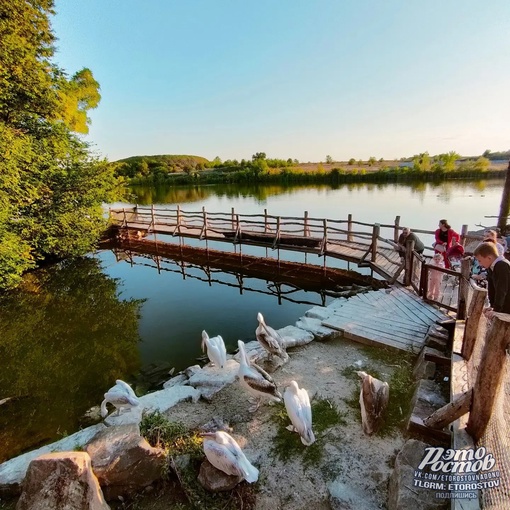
[64, 337]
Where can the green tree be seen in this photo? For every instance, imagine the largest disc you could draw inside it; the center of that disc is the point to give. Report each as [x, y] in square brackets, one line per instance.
[329, 159]
[421, 162]
[371, 161]
[258, 155]
[351, 161]
[51, 189]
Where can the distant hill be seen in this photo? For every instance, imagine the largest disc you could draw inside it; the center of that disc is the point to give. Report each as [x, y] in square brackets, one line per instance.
[142, 166]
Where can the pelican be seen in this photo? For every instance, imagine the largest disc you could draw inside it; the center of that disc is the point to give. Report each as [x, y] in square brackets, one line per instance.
[216, 351]
[373, 401]
[270, 339]
[121, 396]
[257, 381]
[223, 452]
[298, 408]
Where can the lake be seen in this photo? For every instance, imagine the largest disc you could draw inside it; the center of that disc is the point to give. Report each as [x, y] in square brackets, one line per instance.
[77, 326]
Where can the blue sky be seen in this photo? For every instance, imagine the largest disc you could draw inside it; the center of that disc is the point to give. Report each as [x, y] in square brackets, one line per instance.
[292, 78]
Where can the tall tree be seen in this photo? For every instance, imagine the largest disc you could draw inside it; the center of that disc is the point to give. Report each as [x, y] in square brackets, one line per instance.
[51, 189]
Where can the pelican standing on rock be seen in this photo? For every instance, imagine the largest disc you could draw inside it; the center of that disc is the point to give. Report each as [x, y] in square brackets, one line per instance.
[223, 452]
[299, 410]
[270, 339]
[373, 401]
[216, 351]
[121, 396]
[256, 380]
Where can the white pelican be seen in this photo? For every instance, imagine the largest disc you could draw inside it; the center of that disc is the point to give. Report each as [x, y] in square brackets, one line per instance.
[298, 408]
[223, 452]
[270, 339]
[121, 396]
[216, 351]
[257, 381]
[373, 401]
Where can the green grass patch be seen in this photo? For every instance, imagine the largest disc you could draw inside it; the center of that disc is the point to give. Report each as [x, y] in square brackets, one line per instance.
[287, 444]
[401, 384]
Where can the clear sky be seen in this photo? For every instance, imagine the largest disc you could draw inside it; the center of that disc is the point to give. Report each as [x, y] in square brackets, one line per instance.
[292, 78]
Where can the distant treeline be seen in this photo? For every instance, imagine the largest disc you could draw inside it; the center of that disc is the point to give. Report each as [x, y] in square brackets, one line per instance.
[172, 169]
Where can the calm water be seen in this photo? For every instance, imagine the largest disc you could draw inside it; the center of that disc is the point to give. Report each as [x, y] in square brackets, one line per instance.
[76, 327]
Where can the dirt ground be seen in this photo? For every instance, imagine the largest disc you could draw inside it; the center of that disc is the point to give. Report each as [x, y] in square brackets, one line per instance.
[361, 463]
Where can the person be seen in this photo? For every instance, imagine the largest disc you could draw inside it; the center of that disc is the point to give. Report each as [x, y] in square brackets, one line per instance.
[435, 277]
[491, 236]
[405, 238]
[444, 235]
[455, 253]
[498, 278]
[478, 274]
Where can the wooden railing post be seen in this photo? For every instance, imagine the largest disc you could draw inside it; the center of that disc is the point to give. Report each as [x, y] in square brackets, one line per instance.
[277, 236]
[375, 235]
[124, 221]
[463, 234]
[204, 226]
[306, 229]
[473, 321]
[490, 375]
[349, 227]
[465, 269]
[265, 221]
[233, 219]
[408, 269]
[396, 230]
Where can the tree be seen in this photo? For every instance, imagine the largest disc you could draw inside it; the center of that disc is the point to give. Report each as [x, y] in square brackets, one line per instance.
[329, 159]
[51, 189]
[351, 161]
[371, 161]
[258, 155]
[504, 208]
[421, 162]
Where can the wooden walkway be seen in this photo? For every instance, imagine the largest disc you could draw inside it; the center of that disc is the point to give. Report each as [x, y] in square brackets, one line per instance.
[394, 317]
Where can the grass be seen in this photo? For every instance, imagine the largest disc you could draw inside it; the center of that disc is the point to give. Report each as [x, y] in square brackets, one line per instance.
[401, 384]
[287, 444]
[178, 441]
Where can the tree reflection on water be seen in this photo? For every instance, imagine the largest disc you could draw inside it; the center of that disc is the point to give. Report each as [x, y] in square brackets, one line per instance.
[65, 336]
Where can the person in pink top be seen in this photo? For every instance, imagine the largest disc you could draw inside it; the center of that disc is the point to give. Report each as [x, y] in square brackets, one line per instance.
[444, 235]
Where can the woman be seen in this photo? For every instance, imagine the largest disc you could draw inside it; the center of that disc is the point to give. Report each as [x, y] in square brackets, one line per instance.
[444, 235]
[491, 236]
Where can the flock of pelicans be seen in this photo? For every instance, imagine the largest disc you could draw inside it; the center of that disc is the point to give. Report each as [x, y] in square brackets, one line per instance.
[221, 449]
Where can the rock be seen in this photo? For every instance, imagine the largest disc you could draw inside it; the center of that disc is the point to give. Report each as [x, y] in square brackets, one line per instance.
[319, 312]
[403, 495]
[161, 400]
[124, 462]
[190, 371]
[12, 472]
[214, 425]
[209, 380]
[178, 380]
[61, 480]
[214, 480]
[253, 350]
[314, 326]
[293, 336]
[344, 497]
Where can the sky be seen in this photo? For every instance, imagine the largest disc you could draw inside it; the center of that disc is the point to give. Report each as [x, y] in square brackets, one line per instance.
[300, 79]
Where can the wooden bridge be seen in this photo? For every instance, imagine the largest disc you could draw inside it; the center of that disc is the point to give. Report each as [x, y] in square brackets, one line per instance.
[365, 244]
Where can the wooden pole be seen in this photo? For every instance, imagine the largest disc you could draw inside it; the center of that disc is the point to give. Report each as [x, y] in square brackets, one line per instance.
[349, 227]
[375, 234]
[465, 269]
[490, 375]
[204, 214]
[473, 321]
[306, 230]
[233, 216]
[153, 220]
[408, 270]
[463, 234]
[450, 412]
[396, 230]
[265, 221]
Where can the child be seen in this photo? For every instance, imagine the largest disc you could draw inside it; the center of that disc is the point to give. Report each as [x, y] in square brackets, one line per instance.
[435, 277]
[498, 278]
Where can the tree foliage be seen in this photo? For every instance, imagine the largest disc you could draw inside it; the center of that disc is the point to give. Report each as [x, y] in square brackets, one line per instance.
[51, 189]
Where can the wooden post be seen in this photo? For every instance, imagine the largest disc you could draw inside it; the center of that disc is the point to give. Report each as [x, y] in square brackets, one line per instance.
[178, 220]
[233, 216]
[204, 228]
[375, 235]
[306, 230]
[265, 221]
[450, 412]
[153, 221]
[472, 322]
[396, 231]
[277, 236]
[325, 240]
[465, 269]
[463, 234]
[349, 227]
[408, 270]
[124, 221]
[490, 375]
